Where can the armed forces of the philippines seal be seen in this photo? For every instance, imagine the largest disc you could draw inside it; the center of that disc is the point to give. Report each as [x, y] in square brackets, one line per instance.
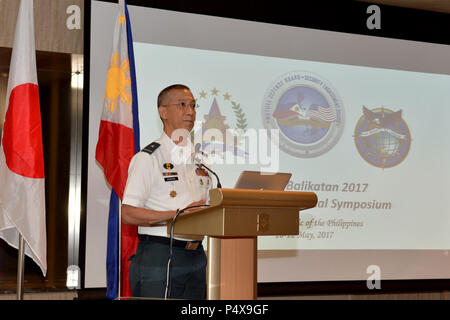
[308, 112]
[382, 137]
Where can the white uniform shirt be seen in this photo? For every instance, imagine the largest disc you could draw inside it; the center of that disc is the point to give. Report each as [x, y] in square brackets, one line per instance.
[161, 181]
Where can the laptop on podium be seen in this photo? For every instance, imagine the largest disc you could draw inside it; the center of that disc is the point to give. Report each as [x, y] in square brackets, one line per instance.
[262, 181]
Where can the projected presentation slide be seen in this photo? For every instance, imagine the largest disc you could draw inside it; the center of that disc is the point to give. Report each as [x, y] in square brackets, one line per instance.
[361, 121]
[370, 142]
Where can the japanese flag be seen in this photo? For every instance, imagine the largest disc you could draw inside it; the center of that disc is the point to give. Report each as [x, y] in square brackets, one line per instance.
[22, 189]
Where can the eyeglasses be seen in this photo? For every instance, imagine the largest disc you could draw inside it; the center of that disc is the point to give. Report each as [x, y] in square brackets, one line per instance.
[184, 104]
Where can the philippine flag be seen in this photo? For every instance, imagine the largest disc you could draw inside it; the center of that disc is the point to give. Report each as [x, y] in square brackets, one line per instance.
[118, 141]
[22, 184]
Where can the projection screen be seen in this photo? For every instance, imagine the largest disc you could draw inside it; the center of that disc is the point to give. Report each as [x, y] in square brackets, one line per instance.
[359, 120]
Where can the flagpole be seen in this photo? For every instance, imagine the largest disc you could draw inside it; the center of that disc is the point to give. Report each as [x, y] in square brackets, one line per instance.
[120, 248]
[20, 267]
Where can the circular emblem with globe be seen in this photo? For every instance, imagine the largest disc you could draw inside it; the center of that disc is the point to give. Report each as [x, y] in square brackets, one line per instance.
[307, 111]
[382, 137]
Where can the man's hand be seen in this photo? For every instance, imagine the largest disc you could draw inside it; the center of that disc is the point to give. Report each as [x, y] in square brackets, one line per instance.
[196, 203]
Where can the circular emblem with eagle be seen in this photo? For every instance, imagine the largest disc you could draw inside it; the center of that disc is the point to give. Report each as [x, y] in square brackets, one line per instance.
[307, 111]
[382, 137]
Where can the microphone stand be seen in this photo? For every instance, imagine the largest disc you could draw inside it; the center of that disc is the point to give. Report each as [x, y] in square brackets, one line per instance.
[218, 181]
[198, 151]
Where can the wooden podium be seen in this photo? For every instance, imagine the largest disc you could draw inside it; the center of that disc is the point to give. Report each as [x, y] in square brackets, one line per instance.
[234, 220]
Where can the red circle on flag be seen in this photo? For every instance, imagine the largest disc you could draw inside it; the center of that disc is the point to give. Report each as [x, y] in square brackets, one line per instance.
[22, 132]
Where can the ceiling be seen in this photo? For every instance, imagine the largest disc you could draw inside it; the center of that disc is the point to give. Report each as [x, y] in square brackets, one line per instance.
[427, 5]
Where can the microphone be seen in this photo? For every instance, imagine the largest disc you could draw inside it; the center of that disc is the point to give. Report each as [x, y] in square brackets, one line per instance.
[197, 151]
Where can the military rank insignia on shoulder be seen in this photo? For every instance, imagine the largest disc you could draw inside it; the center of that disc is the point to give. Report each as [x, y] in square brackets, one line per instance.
[151, 147]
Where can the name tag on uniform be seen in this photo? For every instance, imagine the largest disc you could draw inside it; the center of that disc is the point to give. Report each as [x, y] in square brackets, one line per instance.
[171, 179]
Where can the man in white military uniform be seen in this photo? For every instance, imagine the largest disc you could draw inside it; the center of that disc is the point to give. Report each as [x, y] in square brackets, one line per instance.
[161, 179]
